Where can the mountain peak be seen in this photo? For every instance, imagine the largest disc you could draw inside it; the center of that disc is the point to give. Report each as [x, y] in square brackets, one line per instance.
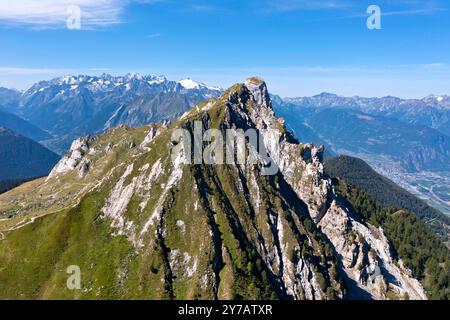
[433, 97]
[133, 75]
[255, 81]
[258, 88]
[190, 84]
[326, 95]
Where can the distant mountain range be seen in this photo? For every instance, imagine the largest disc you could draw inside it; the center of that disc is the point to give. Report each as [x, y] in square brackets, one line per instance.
[432, 111]
[414, 147]
[9, 97]
[73, 106]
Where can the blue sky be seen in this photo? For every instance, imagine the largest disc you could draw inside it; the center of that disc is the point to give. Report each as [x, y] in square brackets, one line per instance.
[300, 47]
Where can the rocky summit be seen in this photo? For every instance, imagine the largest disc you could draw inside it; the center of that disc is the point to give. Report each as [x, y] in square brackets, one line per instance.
[137, 224]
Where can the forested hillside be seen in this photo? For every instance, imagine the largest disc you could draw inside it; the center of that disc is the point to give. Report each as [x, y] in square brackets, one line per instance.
[420, 250]
[383, 190]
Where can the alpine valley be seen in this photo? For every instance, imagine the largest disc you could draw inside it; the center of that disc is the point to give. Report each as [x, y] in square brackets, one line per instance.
[141, 226]
[405, 140]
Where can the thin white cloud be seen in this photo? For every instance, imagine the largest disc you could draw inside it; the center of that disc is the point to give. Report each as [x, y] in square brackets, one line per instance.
[100, 69]
[408, 80]
[408, 12]
[293, 5]
[55, 13]
[407, 7]
[28, 71]
[414, 12]
[203, 8]
[435, 66]
[154, 35]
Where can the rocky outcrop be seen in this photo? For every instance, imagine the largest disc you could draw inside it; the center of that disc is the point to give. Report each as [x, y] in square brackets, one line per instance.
[75, 158]
[366, 256]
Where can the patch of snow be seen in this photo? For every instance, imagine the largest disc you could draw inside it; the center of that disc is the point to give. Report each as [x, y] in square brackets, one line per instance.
[157, 80]
[190, 84]
[218, 89]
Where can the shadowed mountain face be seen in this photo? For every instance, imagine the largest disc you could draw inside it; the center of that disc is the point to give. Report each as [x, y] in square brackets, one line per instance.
[22, 158]
[141, 222]
[9, 98]
[72, 106]
[16, 124]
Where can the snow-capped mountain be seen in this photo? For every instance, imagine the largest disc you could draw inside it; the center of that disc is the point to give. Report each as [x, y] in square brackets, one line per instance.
[190, 84]
[333, 100]
[107, 83]
[70, 106]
